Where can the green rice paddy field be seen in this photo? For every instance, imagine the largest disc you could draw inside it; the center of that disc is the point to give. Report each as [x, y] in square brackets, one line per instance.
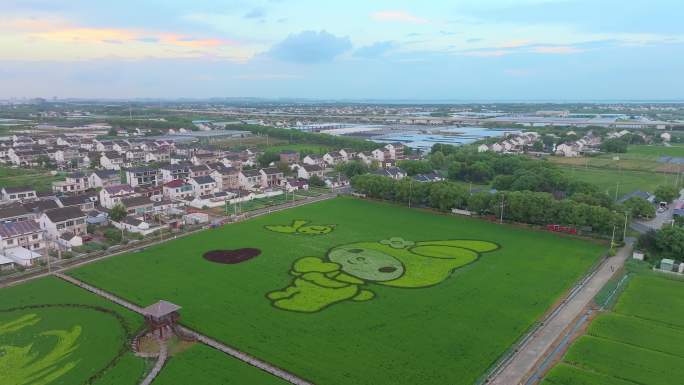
[351, 291]
[639, 342]
[52, 332]
[202, 365]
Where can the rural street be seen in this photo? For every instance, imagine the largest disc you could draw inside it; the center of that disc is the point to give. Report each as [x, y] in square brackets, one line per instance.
[541, 341]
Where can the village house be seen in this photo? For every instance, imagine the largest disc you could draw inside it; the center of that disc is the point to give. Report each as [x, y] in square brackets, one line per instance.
[18, 194]
[348, 154]
[296, 184]
[85, 202]
[74, 183]
[307, 171]
[226, 178]
[63, 220]
[178, 190]
[112, 161]
[271, 177]
[143, 176]
[171, 172]
[199, 170]
[104, 178]
[103, 145]
[392, 172]
[333, 158]
[314, 160]
[396, 150]
[26, 234]
[138, 205]
[203, 185]
[378, 154]
[289, 157]
[15, 213]
[111, 195]
[249, 178]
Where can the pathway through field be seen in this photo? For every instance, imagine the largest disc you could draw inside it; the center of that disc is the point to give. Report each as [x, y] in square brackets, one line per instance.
[517, 370]
[265, 366]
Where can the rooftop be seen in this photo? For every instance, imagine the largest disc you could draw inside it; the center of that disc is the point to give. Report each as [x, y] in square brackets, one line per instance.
[161, 309]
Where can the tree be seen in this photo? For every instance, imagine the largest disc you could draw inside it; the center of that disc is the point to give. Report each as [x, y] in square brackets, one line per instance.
[639, 207]
[670, 242]
[316, 181]
[616, 145]
[352, 169]
[538, 146]
[666, 193]
[118, 212]
[267, 158]
[112, 132]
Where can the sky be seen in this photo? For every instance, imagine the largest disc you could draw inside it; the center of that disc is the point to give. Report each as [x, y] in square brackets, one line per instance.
[465, 50]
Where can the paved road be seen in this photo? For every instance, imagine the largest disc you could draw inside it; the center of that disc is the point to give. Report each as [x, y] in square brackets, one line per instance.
[518, 368]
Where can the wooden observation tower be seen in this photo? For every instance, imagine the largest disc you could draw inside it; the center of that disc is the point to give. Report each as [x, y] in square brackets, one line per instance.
[161, 315]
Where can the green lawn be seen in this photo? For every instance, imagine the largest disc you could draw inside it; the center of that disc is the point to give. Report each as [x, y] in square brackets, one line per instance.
[639, 342]
[307, 148]
[52, 332]
[625, 181]
[654, 152]
[19, 177]
[369, 312]
[202, 365]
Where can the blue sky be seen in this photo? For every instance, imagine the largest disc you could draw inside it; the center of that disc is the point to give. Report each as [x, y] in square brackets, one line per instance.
[419, 50]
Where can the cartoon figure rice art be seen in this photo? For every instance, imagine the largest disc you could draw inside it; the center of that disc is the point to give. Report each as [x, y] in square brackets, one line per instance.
[347, 270]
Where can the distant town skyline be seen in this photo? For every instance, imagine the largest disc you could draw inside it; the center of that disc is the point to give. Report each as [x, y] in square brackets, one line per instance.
[439, 50]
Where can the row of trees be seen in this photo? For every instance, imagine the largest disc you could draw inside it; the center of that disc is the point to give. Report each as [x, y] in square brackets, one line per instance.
[538, 208]
[667, 242]
[508, 172]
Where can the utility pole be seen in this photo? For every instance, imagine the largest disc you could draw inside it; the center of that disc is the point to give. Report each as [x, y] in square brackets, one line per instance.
[612, 239]
[502, 209]
[624, 232]
[617, 187]
[410, 192]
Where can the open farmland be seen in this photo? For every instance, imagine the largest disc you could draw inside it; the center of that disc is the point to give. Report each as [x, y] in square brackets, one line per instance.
[626, 181]
[54, 333]
[202, 365]
[638, 343]
[351, 291]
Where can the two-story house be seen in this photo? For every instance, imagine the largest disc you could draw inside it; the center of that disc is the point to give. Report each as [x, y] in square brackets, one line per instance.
[111, 195]
[271, 177]
[112, 160]
[26, 234]
[63, 220]
[143, 176]
[203, 185]
[249, 178]
[104, 178]
[74, 183]
[178, 190]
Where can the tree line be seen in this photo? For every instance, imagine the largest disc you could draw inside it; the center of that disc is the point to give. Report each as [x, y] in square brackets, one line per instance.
[536, 208]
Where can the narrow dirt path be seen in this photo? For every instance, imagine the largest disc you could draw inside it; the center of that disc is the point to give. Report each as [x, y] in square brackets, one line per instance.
[265, 366]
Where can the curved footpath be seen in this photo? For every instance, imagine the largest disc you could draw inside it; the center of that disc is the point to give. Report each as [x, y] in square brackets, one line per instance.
[517, 370]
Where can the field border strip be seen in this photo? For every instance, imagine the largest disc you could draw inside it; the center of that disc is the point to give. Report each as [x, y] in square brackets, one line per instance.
[511, 352]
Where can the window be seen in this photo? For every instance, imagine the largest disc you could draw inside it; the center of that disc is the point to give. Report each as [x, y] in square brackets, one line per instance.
[34, 236]
[36, 245]
[10, 241]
